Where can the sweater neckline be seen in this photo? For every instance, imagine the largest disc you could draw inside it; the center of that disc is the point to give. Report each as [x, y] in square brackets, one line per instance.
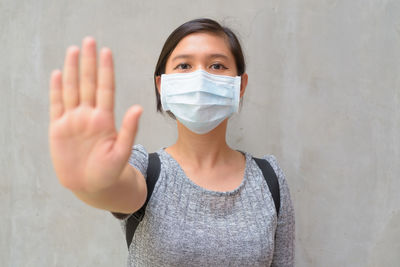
[205, 190]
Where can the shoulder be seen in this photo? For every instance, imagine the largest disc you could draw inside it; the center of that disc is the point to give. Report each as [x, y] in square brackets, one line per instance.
[138, 148]
[274, 164]
[139, 158]
[286, 202]
[138, 152]
[283, 185]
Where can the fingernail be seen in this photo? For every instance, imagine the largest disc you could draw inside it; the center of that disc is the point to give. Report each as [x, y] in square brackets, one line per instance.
[73, 49]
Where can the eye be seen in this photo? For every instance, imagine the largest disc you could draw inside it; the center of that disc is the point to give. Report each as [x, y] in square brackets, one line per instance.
[218, 66]
[182, 66]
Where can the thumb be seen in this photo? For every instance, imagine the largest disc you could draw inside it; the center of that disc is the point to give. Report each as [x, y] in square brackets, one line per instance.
[128, 131]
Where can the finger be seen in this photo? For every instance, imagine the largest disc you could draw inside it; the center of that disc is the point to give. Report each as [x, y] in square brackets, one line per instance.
[88, 72]
[128, 131]
[105, 91]
[70, 78]
[56, 101]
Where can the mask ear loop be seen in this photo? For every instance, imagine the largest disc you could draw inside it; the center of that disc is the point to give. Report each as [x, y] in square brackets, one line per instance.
[237, 88]
[164, 104]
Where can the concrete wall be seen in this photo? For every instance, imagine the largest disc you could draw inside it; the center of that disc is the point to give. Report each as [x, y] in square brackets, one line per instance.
[323, 96]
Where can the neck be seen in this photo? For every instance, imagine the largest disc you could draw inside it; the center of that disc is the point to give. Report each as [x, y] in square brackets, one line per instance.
[204, 150]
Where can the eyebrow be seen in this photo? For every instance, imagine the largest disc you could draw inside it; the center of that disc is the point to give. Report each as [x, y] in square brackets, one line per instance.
[185, 56]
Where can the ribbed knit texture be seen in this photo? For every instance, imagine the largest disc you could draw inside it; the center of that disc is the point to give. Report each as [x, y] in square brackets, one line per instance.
[187, 225]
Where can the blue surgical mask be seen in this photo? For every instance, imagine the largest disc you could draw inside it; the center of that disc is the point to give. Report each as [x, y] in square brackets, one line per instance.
[200, 100]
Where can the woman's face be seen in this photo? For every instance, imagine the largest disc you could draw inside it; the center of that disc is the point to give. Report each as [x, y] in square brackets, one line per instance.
[205, 51]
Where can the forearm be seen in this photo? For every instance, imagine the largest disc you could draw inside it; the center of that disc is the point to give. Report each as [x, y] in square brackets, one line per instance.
[127, 195]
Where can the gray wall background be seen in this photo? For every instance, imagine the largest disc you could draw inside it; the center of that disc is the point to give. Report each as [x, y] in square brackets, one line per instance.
[323, 96]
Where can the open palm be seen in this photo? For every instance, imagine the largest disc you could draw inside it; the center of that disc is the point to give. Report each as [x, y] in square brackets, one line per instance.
[87, 151]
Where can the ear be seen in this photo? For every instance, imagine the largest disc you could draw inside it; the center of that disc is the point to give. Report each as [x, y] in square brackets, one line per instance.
[243, 84]
[158, 84]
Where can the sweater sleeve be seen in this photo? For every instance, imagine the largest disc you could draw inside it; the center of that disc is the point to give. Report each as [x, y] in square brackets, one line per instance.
[285, 231]
[139, 160]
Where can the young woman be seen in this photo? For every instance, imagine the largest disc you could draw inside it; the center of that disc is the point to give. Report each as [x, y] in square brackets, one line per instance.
[211, 205]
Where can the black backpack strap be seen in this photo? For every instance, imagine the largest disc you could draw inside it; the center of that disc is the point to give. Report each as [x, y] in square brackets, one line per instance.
[272, 181]
[153, 171]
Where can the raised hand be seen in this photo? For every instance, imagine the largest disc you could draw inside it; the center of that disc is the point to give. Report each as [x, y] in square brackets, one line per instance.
[88, 153]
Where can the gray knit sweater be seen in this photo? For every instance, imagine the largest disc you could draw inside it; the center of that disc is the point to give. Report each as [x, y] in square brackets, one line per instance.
[187, 225]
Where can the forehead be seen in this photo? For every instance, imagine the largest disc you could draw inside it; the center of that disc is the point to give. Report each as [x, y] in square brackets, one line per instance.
[202, 43]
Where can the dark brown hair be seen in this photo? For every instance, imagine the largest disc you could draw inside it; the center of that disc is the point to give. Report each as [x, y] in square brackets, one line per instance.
[194, 26]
